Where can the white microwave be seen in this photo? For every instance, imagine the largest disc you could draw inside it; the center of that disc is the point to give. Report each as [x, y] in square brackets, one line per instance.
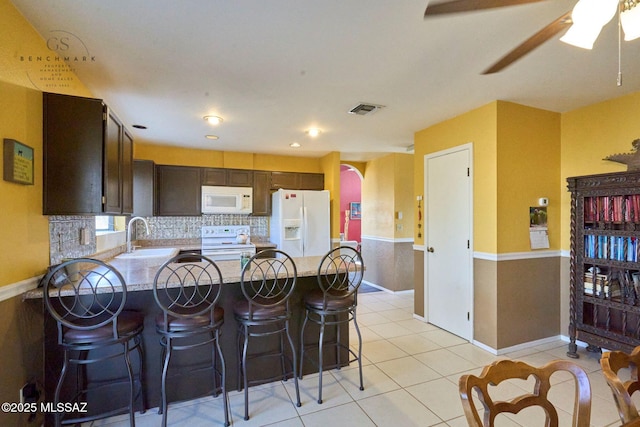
[227, 200]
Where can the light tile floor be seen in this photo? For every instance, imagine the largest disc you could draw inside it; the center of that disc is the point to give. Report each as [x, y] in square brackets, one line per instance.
[411, 372]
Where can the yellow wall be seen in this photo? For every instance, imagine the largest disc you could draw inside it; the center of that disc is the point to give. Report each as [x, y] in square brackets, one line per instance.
[589, 135]
[24, 234]
[528, 168]
[403, 195]
[477, 126]
[24, 231]
[516, 160]
[173, 155]
[387, 190]
[378, 198]
[331, 168]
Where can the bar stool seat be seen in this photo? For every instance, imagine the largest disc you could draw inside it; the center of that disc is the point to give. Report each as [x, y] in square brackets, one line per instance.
[177, 324]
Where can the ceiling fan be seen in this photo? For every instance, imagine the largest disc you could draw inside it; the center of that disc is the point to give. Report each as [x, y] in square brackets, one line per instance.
[584, 22]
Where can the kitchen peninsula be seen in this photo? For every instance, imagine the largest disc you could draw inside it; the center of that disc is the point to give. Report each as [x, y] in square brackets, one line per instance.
[139, 275]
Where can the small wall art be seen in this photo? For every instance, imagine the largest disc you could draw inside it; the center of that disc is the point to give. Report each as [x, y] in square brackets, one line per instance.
[18, 162]
[354, 208]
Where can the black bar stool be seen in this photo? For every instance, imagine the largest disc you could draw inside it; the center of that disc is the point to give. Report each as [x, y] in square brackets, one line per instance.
[187, 288]
[339, 276]
[267, 282]
[87, 297]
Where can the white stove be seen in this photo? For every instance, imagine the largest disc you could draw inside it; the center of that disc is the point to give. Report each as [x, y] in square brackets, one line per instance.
[220, 242]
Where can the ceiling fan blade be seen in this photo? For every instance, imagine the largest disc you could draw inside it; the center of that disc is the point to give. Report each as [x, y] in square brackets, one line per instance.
[531, 43]
[457, 6]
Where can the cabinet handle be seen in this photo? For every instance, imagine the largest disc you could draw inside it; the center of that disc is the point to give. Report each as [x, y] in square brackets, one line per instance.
[430, 249]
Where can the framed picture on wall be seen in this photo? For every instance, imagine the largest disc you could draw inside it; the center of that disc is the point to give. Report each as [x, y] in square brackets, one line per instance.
[354, 209]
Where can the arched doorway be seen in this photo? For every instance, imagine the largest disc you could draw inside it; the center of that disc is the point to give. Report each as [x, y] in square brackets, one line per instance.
[350, 204]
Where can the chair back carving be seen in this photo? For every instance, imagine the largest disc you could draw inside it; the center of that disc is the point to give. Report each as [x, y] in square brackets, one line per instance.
[268, 280]
[622, 387]
[84, 294]
[477, 387]
[186, 286]
[340, 274]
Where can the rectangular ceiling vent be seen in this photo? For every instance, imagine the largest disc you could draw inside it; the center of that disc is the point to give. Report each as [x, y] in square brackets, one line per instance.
[363, 109]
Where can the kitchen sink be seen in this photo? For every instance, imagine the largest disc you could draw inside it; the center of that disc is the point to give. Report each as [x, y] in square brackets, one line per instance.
[149, 253]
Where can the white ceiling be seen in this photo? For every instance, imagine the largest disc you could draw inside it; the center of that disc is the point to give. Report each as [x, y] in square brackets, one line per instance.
[274, 68]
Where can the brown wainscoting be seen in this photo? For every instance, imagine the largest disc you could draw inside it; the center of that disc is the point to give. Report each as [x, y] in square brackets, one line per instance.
[21, 353]
[516, 301]
[389, 264]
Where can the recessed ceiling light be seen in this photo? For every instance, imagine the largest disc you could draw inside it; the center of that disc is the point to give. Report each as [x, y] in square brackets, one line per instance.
[139, 126]
[211, 136]
[313, 132]
[294, 145]
[214, 120]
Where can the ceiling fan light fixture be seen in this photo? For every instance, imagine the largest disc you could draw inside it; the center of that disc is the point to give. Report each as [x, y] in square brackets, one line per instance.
[582, 36]
[630, 21]
[588, 17]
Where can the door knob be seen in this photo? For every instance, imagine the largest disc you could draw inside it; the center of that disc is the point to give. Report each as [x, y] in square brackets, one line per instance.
[430, 249]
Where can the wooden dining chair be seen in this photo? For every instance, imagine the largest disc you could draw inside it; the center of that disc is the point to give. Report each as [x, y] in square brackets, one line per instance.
[503, 370]
[612, 362]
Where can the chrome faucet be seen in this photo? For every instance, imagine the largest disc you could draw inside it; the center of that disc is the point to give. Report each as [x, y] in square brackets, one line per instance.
[146, 224]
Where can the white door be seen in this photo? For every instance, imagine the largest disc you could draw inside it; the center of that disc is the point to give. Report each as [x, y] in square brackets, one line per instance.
[448, 246]
[316, 218]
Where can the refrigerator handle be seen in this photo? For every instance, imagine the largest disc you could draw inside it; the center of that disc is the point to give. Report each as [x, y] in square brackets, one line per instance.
[304, 229]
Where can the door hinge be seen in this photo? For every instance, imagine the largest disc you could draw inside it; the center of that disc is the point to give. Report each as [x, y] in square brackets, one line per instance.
[468, 244]
[468, 172]
[104, 200]
[468, 316]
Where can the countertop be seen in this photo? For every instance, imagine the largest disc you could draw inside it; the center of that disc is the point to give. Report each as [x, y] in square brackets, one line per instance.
[140, 273]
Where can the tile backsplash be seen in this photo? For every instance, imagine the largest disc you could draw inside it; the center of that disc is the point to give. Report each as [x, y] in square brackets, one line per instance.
[65, 232]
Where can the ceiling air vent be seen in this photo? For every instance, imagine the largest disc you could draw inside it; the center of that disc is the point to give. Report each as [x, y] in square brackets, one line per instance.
[363, 109]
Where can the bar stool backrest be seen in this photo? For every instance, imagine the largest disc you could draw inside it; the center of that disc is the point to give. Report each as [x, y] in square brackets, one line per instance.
[84, 294]
[340, 273]
[268, 280]
[187, 285]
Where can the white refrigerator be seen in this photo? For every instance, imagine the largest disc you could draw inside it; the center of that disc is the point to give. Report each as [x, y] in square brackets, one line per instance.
[300, 222]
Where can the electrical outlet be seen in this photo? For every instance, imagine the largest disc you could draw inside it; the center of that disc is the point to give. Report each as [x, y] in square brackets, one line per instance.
[29, 393]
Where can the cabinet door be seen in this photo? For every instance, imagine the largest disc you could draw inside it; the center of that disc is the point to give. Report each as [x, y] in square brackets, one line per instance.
[261, 193]
[73, 163]
[112, 163]
[127, 172]
[239, 178]
[311, 181]
[178, 191]
[214, 176]
[143, 184]
[288, 180]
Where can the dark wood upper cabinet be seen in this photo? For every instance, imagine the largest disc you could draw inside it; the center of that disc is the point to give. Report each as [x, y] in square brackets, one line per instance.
[261, 193]
[178, 191]
[143, 187]
[284, 180]
[227, 177]
[297, 181]
[239, 178]
[87, 158]
[311, 181]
